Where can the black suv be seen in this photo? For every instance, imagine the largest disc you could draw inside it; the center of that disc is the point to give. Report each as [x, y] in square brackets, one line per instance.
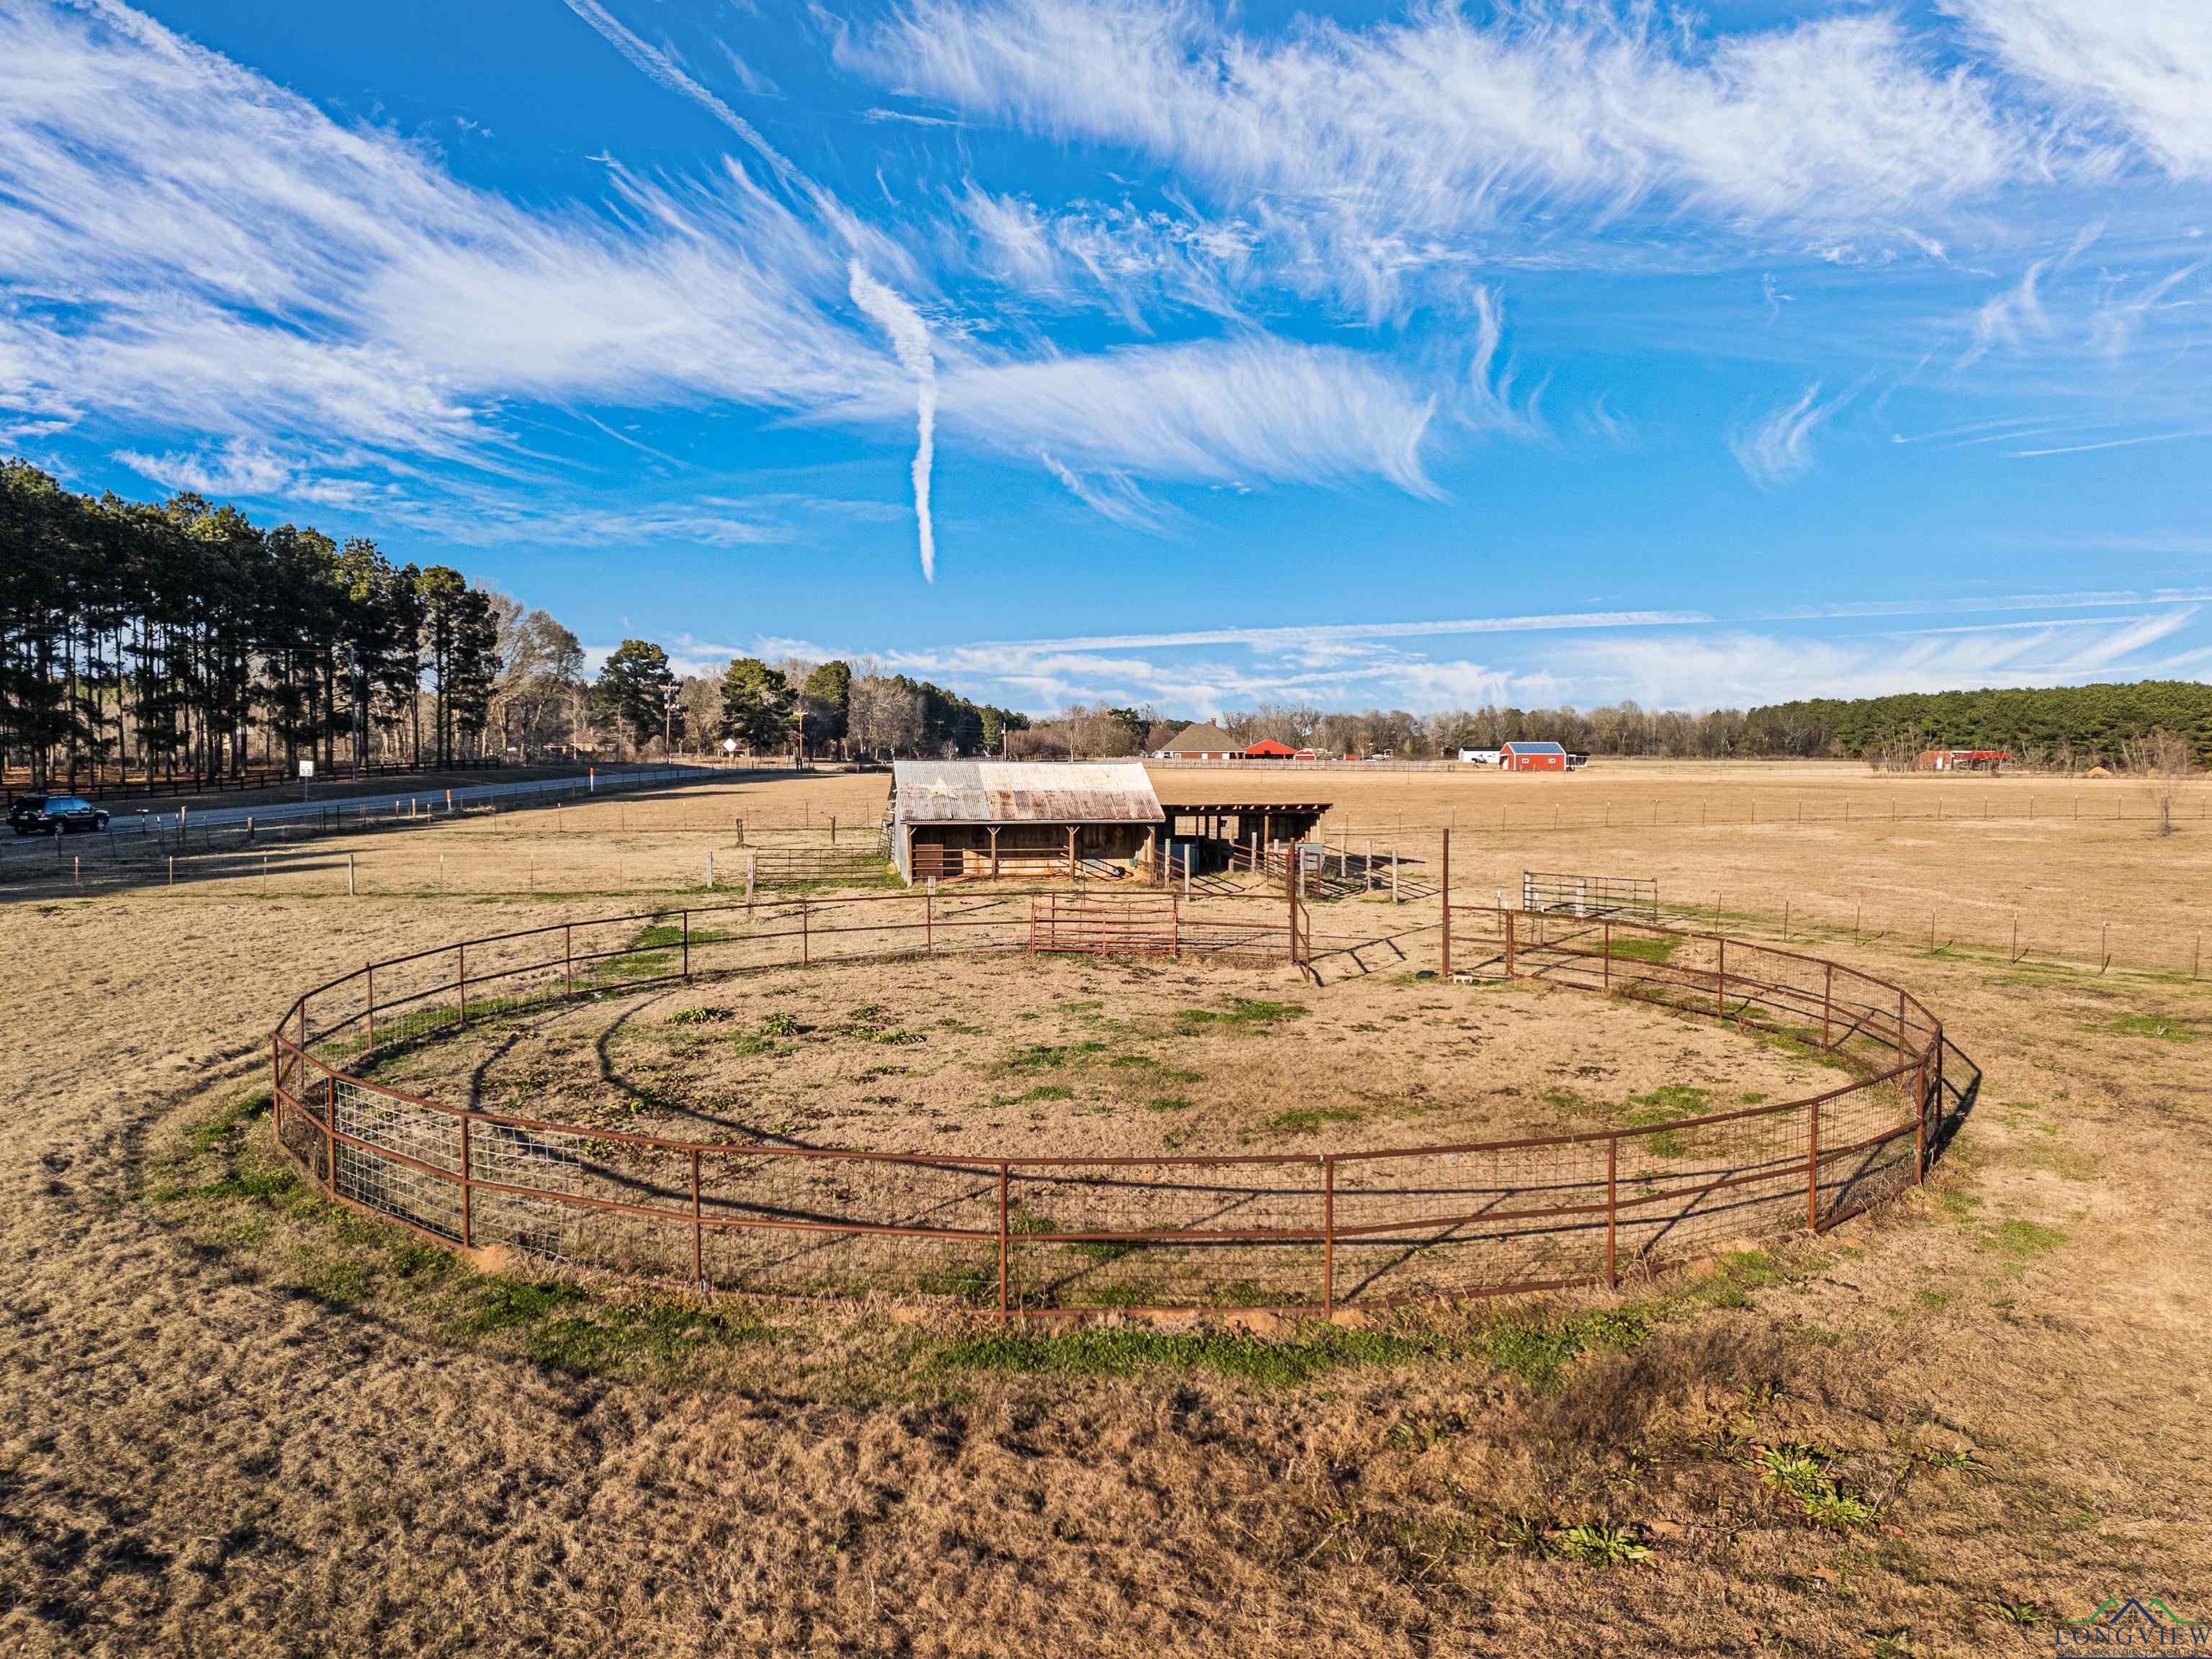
[54, 815]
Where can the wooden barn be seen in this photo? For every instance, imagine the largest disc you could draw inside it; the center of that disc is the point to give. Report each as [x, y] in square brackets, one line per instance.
[951, 819]
[1532, 758]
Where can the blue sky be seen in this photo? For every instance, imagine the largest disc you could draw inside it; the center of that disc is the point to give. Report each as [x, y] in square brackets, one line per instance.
[1412, 355]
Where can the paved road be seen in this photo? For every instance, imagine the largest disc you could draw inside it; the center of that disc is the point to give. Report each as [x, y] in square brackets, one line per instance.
[348, 811]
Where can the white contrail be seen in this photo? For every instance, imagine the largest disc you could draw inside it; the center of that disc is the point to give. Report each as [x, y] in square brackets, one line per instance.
[910, 339]
[658, 66]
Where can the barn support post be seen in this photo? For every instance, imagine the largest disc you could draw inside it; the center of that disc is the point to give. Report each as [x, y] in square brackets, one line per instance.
[994, 852]
[1070, 854]
[1444, 897]
[1329, 1237]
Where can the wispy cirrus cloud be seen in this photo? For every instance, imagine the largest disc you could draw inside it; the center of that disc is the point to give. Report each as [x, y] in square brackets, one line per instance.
[2145, 67]
[1373, 142]
[1777, 446]
[188, 249]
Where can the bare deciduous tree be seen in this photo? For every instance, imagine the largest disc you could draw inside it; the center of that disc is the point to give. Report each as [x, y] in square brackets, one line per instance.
[2163, 761]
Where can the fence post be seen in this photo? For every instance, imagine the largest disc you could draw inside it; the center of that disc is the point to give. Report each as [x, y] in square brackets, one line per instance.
[1900, 1025]
[1827, 1000]
[1720, 984]
[698, 1230]
[461, 979]
[468, 1233]
[1443, 894]
[687, 944]
[1606, 985]
[348, 874]
[929, 918]
[1329, 1237]
[1175, 937]
[1813, 1167]
[1002, 1241]
[1612, 1206]
[1508, 919]
[1920, 1130]
[371, 1004]
[805, 948]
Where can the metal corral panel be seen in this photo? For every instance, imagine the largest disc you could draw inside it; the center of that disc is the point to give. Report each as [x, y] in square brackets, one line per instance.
[1024, 792]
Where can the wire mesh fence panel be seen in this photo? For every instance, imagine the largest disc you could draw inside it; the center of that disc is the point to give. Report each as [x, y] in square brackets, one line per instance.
[793, 1223]
[398, 1157]
[1468, 1221]
[1165, 1233]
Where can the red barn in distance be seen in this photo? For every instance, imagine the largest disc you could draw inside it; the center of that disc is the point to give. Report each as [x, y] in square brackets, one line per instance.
[1961, 760]
[1532, 758]
[1268, 749]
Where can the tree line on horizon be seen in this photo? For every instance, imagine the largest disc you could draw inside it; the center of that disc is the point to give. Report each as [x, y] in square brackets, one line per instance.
[795, 706]
[162, 638]
[179, 639]
[2060, 728]
[171, 640]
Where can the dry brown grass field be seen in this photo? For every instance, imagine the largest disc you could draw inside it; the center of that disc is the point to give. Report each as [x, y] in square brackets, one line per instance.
[236, 1420]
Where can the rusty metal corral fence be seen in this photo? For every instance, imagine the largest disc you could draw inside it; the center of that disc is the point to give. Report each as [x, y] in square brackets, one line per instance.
[1023, 1234]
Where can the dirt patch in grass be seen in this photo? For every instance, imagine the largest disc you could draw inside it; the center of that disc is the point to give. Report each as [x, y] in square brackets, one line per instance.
[1059, 1055]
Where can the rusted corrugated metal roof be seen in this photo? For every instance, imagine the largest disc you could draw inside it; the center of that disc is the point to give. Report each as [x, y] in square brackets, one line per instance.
[1024, 792]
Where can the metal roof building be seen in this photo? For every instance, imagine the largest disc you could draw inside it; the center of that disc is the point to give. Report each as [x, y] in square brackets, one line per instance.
[1203, 742]
[951, 819]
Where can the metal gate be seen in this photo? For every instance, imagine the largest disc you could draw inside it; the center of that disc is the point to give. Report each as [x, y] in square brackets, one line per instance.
[1137, 925]
[1591, 895]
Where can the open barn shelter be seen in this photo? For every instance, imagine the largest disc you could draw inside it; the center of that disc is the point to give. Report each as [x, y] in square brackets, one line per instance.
[1212, 834]
[956, 819]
